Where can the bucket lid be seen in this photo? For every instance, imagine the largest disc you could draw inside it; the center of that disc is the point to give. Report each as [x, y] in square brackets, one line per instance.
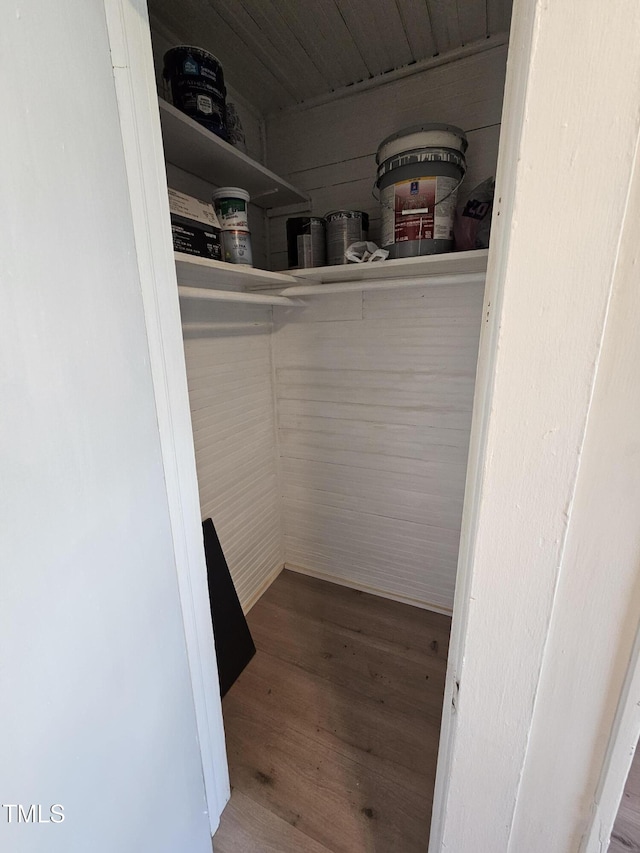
[190, 48]
[422, 136]
[230, 192]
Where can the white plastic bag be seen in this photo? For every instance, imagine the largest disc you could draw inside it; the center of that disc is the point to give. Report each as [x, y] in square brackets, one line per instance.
[365, 252]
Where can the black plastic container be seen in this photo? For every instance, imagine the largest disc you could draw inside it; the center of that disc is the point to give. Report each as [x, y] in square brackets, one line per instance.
[197, 86]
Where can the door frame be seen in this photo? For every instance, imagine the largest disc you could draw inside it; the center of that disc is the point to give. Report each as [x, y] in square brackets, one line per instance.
[132, 60]
[129, 36]
[536, 27]
[520, 46]
[620, 751]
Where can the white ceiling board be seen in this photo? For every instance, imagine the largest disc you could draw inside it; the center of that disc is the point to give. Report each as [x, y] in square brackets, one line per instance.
[196, 22]
[443, 15]
[498, 16]
[278, 53]
[417, 27]
[472, 20]
[331, 45]
[292, 22]
[379, 33]
[263, 30]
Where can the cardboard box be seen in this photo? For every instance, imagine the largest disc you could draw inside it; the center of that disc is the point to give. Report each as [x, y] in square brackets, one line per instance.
[194, 226]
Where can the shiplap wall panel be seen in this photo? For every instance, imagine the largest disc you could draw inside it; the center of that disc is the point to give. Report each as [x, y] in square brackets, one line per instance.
[374, 416]
[329, 150]
[229, 373]
[467, 92]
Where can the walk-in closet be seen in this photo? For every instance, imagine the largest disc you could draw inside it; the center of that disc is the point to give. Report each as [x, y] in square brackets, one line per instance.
[331, 406]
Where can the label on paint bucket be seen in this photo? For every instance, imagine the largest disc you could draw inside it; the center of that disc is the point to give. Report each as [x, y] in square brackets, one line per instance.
[231, 205]
[204, 105]
[232, 213]
[420, 209]
[237, 247]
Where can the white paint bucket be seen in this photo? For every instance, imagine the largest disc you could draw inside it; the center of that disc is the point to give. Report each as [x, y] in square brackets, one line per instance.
[419, 172]
[231, 204]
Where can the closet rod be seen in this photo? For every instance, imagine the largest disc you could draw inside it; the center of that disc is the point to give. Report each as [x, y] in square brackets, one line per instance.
[234, 296]
[385, 284]
[222, 326]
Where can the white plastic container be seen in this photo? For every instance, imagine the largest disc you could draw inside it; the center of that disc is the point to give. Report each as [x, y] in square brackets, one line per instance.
[231, 204]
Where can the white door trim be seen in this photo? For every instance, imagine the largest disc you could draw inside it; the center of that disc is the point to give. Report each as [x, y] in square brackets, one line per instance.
[620, 751]
[529, 679]
[518, 63]
[132, 60]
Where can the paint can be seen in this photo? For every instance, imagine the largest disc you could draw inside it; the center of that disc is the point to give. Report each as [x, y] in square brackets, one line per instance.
[232, 205]
[197, 86]
[306, 242]
[236, 245]
[344, 227]
[419, 172]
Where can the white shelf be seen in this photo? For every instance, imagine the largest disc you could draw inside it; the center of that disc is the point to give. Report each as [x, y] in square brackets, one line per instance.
[451, 268]
[204, 279]
[450, 263]
[202, 272]
[195, 149]
[201, 278]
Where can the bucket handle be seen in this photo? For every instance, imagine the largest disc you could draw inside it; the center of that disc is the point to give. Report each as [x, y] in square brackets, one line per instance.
[444, 198]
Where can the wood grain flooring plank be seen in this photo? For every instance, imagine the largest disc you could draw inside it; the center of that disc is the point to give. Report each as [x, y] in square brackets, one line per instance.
[625, 837]
[247, 827]
[369, 615]
[429, 655]
[348, 660]
[338, 720]
[332, 729]
[324, 794]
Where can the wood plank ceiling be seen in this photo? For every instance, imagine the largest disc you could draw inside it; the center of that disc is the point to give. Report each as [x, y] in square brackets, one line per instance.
[278, 53]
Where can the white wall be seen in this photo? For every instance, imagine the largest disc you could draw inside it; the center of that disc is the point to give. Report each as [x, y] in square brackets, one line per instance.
[329, 149]
[374, 396]
[96, 707]
[232, 408]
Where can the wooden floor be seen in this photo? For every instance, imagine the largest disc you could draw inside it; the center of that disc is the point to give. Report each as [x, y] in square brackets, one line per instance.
[625, 837]
[332, 730]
